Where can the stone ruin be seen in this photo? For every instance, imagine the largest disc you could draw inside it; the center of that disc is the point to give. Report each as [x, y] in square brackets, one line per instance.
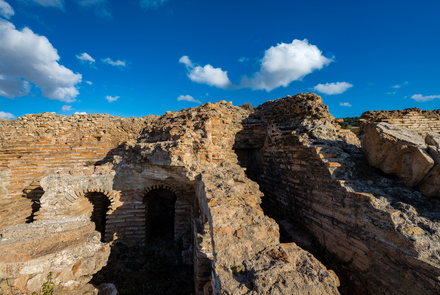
[247, 194]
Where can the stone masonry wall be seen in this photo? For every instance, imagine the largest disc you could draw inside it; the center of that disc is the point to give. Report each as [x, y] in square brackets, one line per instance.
[414, 118]
[34, 145]
[314, 175]
[190, 151]
[234, 228]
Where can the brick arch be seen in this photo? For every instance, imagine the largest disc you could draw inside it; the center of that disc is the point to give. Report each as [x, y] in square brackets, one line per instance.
[79, 204]
[161, 186]
[112, 195]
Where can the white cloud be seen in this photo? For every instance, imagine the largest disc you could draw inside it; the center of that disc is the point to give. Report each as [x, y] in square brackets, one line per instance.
[243, 59]
[285, 63]
[88, 82]
[152, 4]
[186, 61]
[99, 6]
[48, 3]
[421, 98]
[118, 63]
[206, 75]
[394, 92]
[332, 88]
[8, 116]
[281, 65]
[85, 57]
[399, 85]
[80, 113]
[188, 98]
[111, 98]
[66, 108]
[345, 104]
[6, 10]
[27, 58]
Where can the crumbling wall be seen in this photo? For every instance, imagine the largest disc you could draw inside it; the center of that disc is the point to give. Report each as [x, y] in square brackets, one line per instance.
[190, 152]
[314, 175]
[35, 145]
[200, 140]
[414, 118]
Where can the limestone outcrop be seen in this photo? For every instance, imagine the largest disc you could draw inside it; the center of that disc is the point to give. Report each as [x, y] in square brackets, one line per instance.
[403, 152]
[397, 150]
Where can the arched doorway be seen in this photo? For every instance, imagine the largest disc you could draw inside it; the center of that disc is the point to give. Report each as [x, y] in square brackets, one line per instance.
[101, 205]
[159, 214]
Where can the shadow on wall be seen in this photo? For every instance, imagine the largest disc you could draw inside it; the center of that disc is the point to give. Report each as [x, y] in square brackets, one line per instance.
[34, 195]
[101, 206]
[144, 210]
[326, 197]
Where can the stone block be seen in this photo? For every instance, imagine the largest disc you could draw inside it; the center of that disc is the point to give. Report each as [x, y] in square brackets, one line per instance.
[397, 150]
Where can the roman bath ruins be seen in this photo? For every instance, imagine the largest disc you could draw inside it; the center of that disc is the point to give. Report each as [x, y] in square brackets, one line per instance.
[273, 200]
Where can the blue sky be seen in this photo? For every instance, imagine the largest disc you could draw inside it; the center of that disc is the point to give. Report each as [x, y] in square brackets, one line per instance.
[141, 57]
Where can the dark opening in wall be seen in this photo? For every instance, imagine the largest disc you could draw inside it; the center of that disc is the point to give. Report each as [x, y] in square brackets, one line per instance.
[251, 160]
[34, 195]
[159, 214]
[101, 205]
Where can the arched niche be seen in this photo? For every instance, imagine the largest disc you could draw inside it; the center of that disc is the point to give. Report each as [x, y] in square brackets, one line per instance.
[101, 206]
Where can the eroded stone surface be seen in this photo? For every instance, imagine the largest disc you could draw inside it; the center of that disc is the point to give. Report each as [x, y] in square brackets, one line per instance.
[397, 150]
[308, 168]
[316, 177]
[433, 138]
[430, 185]
[288, 270]
[69, 248]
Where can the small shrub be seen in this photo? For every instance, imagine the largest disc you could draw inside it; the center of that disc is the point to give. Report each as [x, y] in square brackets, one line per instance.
[238, 270]
[47, 287]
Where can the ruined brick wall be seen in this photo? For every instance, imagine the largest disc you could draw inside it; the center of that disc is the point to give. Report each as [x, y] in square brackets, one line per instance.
[191, 152]
[34, 145]
[314, 175]
[234, 230]
[414, 118]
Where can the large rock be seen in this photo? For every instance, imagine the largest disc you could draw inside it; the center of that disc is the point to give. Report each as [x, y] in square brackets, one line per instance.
[433, 138]
[397, 150]
[66, 249]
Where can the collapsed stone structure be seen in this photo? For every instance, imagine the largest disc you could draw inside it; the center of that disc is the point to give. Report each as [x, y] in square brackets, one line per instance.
[405, 153]
[203, 172]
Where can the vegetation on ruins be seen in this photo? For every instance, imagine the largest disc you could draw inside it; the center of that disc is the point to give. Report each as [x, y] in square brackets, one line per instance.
[47, 287]
[349, 122]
